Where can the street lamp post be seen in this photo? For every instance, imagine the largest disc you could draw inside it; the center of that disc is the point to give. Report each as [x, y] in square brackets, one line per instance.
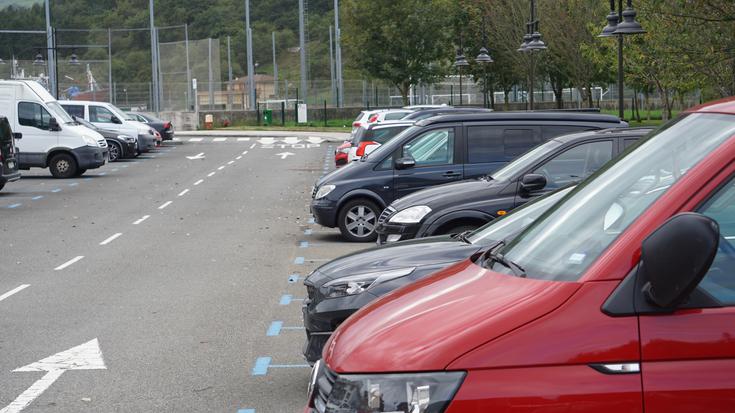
[459, 62]
[532, 43]
[38, 61]
[484, 59]
[619, 24]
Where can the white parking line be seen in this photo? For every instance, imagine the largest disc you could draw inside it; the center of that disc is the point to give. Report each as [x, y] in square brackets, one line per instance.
[221, 168]
[239, 157]
[112, 238]
[165, 204]
[230, 163]
[141, 220]
[219, 139]
[195, 140]
[198, 182]
[211, 174]
[13, 291]
[246, 152]
[182, 193]
[68, 263]
[243, 139]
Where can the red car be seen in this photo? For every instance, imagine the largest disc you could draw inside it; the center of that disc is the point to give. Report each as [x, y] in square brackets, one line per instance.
[621, 298]
[341, 154]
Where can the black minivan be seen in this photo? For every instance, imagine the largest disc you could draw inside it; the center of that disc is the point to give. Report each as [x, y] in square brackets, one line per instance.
[435, 151]
[8, 164]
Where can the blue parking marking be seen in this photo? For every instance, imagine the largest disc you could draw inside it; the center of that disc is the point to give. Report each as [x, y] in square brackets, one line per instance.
[307, 232]
[56, 190]
[261, 366]
[36, 198]
[74, 184]
[298, 260]
[274, 329]
[286, 299]
[13, 206]
[293, 278]
[246, 411]
[304, 244]
[113, 170]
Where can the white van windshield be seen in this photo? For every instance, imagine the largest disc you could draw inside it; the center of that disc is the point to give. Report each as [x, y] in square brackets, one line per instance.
[574, 233]
[59, 113]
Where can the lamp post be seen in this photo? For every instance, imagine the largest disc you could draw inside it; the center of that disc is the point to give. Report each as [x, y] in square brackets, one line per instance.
[484, 59]
[38, 61]
[532, 44]
[459, 62]
[619, 24]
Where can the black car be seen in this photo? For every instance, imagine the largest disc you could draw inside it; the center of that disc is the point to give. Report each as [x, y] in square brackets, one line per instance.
[8, 164]
[165, 128]
[120, 146]
[339, 288]
[435, 151]
[462, 206]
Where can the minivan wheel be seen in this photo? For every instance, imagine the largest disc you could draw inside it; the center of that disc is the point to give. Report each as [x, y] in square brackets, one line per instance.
[115, 151]
[358, 219]
[63, 165]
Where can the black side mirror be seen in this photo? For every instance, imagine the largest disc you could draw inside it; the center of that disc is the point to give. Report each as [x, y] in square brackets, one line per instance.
[17, 135]
[405, 162]
[533, 182]
[115, 119]
[676, 256]
[53, 125]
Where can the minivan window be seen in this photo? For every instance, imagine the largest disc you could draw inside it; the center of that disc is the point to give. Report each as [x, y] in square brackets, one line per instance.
[518, 141]
[33, 115]
[434, 147]
[572, 235]
[484, 144]
[720, 279]
[386, 150]
[100, 114]
[518, 166]
[575, 163]
[75, 110]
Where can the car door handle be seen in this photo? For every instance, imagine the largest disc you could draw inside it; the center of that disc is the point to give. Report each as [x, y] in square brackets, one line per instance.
[451, 174]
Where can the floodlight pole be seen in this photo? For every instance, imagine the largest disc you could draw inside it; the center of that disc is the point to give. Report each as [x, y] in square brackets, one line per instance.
[154, 58]
[302, 50]
[249, 47]
[50, 46]
[338, 55]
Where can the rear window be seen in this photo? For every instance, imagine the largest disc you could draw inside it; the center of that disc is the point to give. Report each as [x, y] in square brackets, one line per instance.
[357, 136]
[395, 115]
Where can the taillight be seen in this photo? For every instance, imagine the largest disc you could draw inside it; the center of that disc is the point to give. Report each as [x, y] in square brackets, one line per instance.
[167, 125]
[363, 145]
[356, 124]
[373, 119]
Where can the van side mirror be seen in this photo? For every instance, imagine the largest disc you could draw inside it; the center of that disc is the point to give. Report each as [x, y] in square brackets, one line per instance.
[675, 258]
[17, 135]
[115, 119]
[533, 182]
[405, 163]
[53, 125]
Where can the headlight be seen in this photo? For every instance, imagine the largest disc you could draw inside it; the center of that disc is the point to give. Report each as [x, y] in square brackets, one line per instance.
[357, 284]
[323, 191]
[411, 215]
[126, 138]
[90, 141]
[394, 393]
[151, 132]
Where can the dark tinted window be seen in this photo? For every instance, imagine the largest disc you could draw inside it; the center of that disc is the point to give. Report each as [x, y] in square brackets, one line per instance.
[74, 110]
[552, 131]
[629, 141]
[395, 115]
[34, 115]
[485, 144]
[720, 279]
[518, 141]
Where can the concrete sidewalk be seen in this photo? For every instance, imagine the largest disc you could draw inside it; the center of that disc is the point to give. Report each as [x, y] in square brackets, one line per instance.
[328, 136]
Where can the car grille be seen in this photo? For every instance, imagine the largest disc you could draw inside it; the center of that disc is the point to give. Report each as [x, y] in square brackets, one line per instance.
[386, 213]
[323, 388]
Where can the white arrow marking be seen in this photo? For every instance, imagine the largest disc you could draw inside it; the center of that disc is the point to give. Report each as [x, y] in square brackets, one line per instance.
[291, 141]
[87, 356]
[284, 155]
[266, 141]
[195, 157]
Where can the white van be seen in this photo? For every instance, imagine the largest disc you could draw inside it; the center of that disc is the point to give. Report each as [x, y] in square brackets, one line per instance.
[50, 137]
[108, 116]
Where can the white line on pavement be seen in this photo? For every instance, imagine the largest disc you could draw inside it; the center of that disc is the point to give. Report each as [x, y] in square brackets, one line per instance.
[246, 152]
[195, 140]
[239, 157]
[182, 193]
[220, 139]
[252, 146]
[198, 182]
[230, 163]
[243, 139]
[165, 204]
[211, 174]
[13, 291]
[221, 168]
[112, 238]
[141, 220]
[68, 263]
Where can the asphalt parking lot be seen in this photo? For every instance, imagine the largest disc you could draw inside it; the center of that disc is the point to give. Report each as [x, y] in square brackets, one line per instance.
[167, 283]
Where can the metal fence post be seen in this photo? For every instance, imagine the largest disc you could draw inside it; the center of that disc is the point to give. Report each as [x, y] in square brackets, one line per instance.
[325, 113]
[283, 113]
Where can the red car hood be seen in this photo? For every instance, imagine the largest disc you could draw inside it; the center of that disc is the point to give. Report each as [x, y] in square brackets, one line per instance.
[427, 325]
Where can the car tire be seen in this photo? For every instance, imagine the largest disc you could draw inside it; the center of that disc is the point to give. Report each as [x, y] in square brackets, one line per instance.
[357, 220]
[81, 172]
[115, 151]
[63, 166]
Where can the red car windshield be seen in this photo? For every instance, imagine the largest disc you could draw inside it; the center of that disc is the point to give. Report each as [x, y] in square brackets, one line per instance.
[563, 243]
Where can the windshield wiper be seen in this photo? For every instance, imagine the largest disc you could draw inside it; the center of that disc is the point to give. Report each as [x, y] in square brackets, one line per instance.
[462, 236]
[492, 256]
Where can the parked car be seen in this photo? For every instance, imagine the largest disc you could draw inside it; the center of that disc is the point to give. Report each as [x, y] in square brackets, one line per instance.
[119, 146]
[388, 115]
[164, 128]
[342, 153]
[50, 137]
[108, 116]
[420, 107]
[466, 205]
[367, 139]
[620, 298]
[434, 151]
[8, 164]
[362, 118]
[342, 286]
[441, 111]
